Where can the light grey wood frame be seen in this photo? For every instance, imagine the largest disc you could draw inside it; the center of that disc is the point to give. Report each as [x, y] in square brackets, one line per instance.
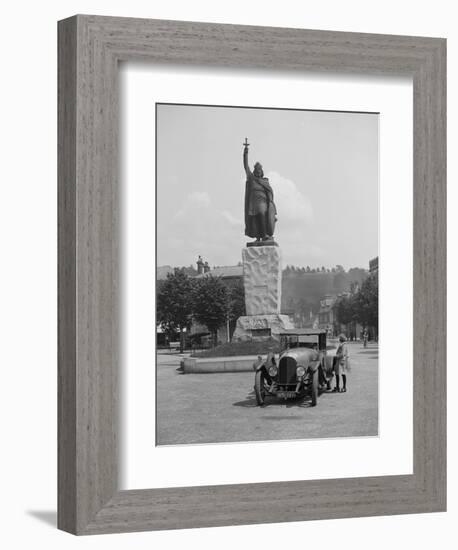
[90, 49]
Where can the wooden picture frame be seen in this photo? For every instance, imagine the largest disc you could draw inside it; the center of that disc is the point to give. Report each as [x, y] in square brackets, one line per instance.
[90, 48]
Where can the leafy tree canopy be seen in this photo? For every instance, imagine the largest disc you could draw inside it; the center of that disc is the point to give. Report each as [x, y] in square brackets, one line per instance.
[236, 301]
[211, 299]
[361, 306]
[174, 303]
[366, 302]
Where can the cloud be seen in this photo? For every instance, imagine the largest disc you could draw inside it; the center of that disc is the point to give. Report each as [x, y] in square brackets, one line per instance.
[196, 199]
[292, 205]
[230, 218]
[199, 198]
[199, 227]
[300, 248]
[295, 222]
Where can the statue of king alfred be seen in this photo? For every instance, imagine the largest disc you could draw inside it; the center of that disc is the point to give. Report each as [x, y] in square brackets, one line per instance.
[260, 210]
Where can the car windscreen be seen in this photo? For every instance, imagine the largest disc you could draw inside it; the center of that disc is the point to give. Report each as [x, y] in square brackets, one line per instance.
[308, 339]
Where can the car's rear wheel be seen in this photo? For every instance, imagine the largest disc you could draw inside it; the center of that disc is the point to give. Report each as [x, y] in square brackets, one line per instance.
[259, 387]
[315, 388]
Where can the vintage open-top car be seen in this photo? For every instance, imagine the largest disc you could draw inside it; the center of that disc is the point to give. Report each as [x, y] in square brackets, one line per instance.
[304, 366]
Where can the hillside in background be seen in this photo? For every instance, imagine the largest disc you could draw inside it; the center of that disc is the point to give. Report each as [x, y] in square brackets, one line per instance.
[303, 288]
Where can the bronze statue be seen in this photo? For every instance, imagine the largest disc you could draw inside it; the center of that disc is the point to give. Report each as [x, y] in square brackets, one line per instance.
[260, 210]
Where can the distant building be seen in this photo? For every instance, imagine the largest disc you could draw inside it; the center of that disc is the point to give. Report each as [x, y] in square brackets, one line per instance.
[226, 272]
[200, 265]
[229, 275]
[373, 266]
[327, 316]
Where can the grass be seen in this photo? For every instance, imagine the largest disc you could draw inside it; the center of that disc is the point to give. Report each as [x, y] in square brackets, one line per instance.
[241, 348]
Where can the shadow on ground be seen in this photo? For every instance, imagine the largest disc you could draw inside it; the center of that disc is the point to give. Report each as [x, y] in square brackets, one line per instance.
[45, 516]
[270, 400]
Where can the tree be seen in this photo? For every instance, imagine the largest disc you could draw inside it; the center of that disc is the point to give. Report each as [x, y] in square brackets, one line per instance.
[211, 303]
[345, 309]
[347, 315]
[361, 306]
[354, 287]
[175, 304]
[366, 303]
[236, 307]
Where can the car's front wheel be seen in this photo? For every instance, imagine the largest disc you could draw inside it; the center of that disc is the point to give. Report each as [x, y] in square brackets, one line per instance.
[259, 387]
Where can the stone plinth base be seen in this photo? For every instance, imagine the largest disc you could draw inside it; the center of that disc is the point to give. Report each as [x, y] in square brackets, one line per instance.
[262, 280]
[204, 365]
[257, 327]
[270, 242]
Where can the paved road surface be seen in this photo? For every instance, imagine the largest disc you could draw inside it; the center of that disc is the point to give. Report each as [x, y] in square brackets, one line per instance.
[213, 408]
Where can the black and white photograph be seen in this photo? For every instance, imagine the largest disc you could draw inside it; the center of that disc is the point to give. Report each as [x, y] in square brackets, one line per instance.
[225, 258]
[266, 274]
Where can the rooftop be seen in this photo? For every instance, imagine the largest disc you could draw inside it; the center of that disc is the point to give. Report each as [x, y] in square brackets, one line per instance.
[302, 331]
[224, 271]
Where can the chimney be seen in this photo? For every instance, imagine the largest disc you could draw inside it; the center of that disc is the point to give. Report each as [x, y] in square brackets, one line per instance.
[200, 266]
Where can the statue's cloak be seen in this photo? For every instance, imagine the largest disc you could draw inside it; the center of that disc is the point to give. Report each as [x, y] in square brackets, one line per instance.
[259, 199]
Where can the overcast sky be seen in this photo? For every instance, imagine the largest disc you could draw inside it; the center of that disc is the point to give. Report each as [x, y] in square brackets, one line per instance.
[322, 166]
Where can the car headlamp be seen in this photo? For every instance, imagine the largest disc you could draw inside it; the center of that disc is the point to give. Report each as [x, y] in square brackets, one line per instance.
[273, 371]
[300, 371]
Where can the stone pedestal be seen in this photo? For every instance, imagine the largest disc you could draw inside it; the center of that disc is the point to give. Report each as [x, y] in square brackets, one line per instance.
[261, 327]
[262, 279]
[262, 272]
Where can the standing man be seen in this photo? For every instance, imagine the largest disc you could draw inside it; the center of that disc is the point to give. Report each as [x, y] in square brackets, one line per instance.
[260, 210]
[341, 364]
[365, 337]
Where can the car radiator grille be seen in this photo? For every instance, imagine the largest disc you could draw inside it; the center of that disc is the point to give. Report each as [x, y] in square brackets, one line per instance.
[287, 371]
